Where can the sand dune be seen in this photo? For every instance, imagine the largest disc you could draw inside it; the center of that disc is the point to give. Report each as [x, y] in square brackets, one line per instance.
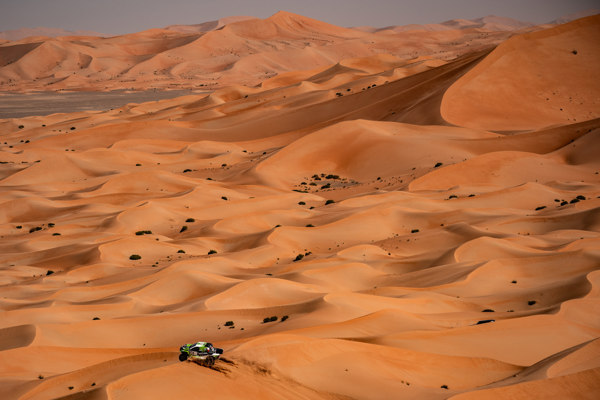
[217, 54]
[420, 227]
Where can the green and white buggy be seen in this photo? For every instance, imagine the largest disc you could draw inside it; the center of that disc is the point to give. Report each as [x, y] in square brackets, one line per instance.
[202, 353]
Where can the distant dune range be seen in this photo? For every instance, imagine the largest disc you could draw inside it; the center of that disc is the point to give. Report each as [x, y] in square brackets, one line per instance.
[236, 50]
[420, 213]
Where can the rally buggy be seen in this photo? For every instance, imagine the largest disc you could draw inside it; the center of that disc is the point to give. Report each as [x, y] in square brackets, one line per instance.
[202, 353]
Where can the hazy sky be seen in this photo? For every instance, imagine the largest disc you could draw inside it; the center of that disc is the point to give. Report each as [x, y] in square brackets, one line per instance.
[124, 16]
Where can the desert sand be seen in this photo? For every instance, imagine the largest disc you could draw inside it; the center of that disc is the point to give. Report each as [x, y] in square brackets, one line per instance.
[422, 226]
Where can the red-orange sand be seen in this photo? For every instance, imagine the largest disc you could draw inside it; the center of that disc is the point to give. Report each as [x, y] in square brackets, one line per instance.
[383, 204]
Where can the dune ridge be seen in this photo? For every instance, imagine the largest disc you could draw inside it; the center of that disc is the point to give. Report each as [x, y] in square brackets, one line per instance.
[216, 54]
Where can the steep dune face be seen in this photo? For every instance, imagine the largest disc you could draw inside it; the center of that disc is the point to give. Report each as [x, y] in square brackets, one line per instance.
[328, 229]
[532, 81]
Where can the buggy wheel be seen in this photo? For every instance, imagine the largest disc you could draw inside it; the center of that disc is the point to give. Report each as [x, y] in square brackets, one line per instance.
[210, 361]
[183, 356]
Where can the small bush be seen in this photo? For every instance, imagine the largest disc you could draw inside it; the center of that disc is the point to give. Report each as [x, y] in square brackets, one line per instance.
[444, 386]
[574, 52]
[181, 251]
[438, 165]
[40, 376]
[35, 229]
[326, 186]
[19, 227]
[453, 196]
[187, 170]
[138, 165]
[139, 233]
[229, 323]
[223, 197]
[212, 252]
[540, 208]
[96, 319]
[71, 387]
[414, 231]
[72, 128]
[21, 126]
[301, 203]
[56, 234]
[190, 220]
[135, 257]
[299, 257]
[580, 197]
[51, 225]
[310, 226]
[330, 176]
[329, 202]
[269, 319]
[284, 318]
[183, 229]
[49, 272]
[531, 302]
[488, 310]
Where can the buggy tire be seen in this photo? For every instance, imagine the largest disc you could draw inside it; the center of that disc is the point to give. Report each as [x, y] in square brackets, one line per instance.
[210, 361]
[183, 356]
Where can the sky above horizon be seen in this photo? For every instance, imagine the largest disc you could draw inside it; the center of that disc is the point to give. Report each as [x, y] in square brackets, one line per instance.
[126, 16]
